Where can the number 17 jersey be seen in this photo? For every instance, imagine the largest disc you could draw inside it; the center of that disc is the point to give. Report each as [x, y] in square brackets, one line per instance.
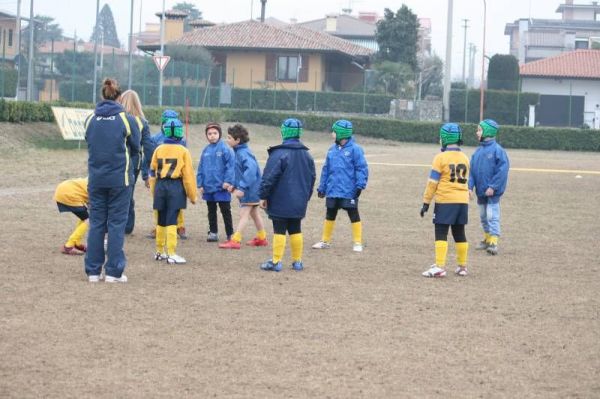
[448, 179]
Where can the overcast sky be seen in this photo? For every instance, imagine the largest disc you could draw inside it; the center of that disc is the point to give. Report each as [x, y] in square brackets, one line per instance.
[79, 15]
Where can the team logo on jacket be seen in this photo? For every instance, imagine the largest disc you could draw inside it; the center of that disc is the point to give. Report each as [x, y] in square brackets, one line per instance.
[346, 153]
[105, 118]
[219, 153]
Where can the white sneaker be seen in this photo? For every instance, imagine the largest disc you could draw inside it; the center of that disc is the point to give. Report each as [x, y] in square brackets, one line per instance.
[461, 271]
[175, 259]
[357, 247]
[94, 279]
[111, 279]
[160, 256]
[434, 271]
[322, 245]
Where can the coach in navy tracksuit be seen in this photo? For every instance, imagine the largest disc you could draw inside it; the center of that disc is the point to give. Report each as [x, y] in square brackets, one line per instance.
[111, 135]
[286, 187]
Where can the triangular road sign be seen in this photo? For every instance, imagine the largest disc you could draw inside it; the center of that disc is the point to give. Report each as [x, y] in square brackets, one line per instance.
[161, 61]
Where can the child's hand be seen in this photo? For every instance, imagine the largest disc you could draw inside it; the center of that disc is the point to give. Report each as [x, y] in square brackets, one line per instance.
[230, 188]
[263, 204]
[238, 193]
[471, 194]
[489, 192]
[147, 183]
[201, 190]
[226, 186]
[424, 210]
[320, 194]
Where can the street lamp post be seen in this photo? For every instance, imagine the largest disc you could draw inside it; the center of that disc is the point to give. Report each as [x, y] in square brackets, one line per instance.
[162, 52]
[96, 34]
[448, 69]
[30, 66]
[481, 90]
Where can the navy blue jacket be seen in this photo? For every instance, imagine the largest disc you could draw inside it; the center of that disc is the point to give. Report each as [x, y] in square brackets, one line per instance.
[288, 180]
[489, 168]
[112, 136]
[247, 173]
[345, 171]
[139, 158]
[217, 166]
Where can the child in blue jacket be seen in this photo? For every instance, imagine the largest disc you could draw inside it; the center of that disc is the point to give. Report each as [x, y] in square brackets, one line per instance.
[245, 188]
[216, 172]
[286, 187]
[343, 177]
[489, 175]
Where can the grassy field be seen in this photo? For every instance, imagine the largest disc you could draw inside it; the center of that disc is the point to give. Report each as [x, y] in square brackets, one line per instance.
[351, 325]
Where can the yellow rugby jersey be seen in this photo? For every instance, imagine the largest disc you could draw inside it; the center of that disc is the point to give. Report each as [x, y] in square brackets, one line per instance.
[173, 161]
[449, 177]
[72, 192]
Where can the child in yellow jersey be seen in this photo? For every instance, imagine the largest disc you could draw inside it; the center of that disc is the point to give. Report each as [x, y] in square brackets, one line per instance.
[173, 180]
[448, 185]
[72, 196]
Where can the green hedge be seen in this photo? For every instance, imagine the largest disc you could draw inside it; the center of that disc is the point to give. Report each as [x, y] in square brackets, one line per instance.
[499, 105]
[540, 138]
[8, 82]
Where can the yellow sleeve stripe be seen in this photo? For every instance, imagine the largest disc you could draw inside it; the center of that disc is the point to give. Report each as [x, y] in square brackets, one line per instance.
[139, 123]
[126, 123]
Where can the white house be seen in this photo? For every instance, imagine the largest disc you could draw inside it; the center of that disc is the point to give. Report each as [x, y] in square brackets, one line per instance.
[569, 87]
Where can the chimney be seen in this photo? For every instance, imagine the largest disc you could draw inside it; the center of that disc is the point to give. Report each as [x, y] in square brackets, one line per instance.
[331, 22]
[262, 10]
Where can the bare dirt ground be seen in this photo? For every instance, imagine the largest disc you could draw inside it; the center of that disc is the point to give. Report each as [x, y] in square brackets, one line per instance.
[352, 325]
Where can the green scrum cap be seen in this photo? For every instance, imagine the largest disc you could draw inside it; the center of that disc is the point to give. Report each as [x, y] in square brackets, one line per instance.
[489, 128]
[291, 129]
[173, 129]
[342, 129]
[450, 133]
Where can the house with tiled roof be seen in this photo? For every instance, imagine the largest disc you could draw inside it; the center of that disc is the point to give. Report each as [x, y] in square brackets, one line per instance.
[255, 54]
[569, 87]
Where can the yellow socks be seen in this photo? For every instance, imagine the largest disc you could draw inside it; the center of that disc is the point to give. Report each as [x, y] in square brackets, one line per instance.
[297, 246]
[441, 250]
[278, 247]
[180, 219]
[462, 248]
[357, 232]
[486, 237]
[328, 230]
[161, 238]
[76, 237]
[155, 214]
[493, 240]
[237, 237]
[261, 235]
[171, 239]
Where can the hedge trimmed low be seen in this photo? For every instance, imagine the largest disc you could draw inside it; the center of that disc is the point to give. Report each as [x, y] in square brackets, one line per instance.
[540, 138]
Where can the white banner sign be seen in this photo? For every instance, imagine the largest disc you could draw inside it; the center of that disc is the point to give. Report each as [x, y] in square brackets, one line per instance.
[71, 122]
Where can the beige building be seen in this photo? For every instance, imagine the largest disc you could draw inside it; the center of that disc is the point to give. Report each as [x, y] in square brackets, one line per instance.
[8, 36]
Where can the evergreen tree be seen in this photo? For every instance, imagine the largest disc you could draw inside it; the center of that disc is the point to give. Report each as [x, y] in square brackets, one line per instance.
[106, 27]
[192, 11]
[44, 31]
[503, 72]
[397, 36]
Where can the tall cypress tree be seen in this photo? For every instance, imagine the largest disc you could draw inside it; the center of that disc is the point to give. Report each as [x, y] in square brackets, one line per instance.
[106, 26]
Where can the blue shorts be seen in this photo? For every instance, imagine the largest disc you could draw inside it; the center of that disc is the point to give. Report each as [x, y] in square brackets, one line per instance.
[451, 214]
[169, 194]
[218, 196]
[341, 203]
[80, 211]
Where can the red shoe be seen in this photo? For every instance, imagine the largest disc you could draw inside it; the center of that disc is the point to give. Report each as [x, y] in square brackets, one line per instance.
[257, 242]
[70, 251]
[81, 247]
[230, 245]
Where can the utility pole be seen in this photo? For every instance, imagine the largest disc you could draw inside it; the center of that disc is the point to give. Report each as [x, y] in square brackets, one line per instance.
[162, 52]
[96, 33]
[448, 62]
[472, 52]
[481, 89]
[30, 66]
[465, 27]
[18, 41]
[129, 75]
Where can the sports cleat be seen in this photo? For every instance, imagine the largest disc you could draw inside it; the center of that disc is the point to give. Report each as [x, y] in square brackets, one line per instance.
[492, 249]
[212, 237]
[94, 279]
[434, 271]
[160, 256]
[357, 247]
[81, 247]
[181, 233]
[230, 245]
[152, 234]
[297, 266]
[257, 242]
[175, 259]
[321, 245]
[461, 271]
[70, 250]
[269, 266]
[482, 245]
[111, 279]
